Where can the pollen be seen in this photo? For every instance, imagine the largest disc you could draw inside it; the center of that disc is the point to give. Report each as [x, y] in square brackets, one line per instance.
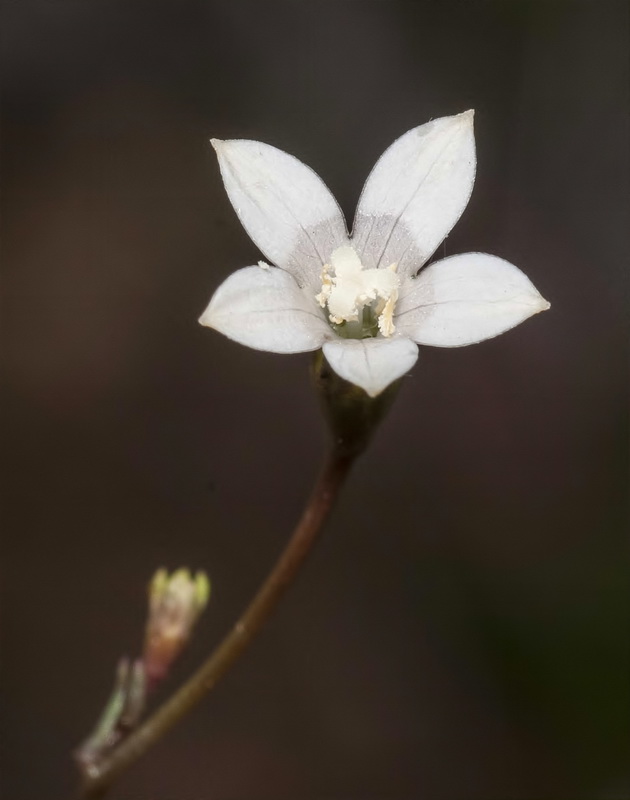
[349, 290]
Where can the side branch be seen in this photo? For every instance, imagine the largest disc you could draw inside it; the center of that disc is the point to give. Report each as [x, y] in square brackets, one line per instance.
[99, 777]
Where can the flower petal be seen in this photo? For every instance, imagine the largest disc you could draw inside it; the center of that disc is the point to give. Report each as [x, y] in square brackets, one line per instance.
[416, 193]
[284, 206]
[371, 364]
[465, 299]
[264, 308]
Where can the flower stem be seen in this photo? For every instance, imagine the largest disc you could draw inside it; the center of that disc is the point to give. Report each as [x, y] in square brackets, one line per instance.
[99, 777]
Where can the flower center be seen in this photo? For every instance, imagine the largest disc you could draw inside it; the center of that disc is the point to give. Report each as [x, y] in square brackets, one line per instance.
[360, 301]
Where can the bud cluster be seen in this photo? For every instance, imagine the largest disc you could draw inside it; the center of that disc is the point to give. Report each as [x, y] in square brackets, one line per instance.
[175, 604]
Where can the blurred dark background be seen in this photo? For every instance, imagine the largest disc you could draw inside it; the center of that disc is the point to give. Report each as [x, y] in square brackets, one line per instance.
[461, 632]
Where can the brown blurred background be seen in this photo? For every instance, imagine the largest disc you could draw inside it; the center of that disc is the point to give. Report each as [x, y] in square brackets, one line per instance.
[461, 631]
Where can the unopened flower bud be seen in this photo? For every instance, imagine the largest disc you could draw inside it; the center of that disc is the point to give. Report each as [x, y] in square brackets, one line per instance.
[175, 604]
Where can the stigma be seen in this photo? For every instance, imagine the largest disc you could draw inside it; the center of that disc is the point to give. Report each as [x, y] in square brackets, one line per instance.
[354, 294]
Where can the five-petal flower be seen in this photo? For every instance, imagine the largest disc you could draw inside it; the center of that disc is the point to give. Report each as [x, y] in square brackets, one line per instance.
[357, 296]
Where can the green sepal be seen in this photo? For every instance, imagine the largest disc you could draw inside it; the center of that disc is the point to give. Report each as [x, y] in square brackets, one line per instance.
[352, 415]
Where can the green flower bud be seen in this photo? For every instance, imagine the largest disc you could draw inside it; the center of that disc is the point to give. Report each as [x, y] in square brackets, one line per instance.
[175, 604]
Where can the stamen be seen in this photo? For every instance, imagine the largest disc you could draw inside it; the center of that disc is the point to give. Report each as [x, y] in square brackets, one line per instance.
[385, 321]
[350, 291]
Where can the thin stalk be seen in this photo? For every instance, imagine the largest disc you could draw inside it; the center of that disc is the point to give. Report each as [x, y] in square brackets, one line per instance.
[99, 778]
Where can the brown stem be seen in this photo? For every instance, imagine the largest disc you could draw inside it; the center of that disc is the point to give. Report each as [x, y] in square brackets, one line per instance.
[99, 777]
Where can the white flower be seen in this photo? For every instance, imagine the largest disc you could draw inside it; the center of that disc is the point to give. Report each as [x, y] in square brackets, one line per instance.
[357, 296]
